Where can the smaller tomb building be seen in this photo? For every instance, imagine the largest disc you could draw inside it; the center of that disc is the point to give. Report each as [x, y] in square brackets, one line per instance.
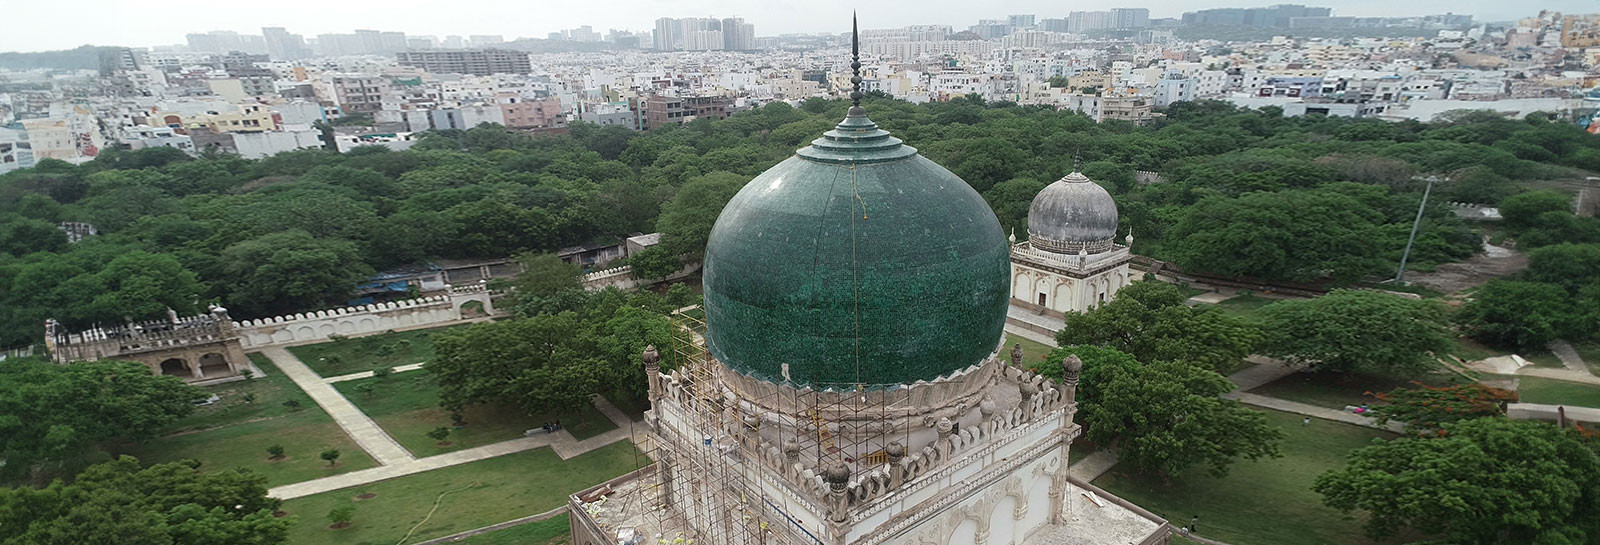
[1070, 262]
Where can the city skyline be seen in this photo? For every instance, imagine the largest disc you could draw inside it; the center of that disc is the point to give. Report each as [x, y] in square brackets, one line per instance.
[166, 24]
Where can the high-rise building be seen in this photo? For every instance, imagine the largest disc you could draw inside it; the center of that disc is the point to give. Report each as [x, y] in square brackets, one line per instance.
[283, 45]
[666, 36]
[1019, 22]
[1278, 16]
[480, 40]
[454, 42]
[701, 33]
[738, 35]
[1130, 17]
[1085, 21]
[1055, 25]
[481, 62]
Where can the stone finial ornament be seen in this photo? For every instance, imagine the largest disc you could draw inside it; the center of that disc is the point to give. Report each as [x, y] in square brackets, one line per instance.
[895, 450]
[651, 357]
[945, 426]
[986, 407]
[1071, 365]
[837, 476]
[1016, 354]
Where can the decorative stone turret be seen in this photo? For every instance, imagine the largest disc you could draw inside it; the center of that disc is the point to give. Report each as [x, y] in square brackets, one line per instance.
[1016, 355]
[838, 478]
[652, 370]
[1071, 367]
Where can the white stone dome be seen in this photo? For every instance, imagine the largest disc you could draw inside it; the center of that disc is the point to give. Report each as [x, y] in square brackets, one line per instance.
[1071, 215]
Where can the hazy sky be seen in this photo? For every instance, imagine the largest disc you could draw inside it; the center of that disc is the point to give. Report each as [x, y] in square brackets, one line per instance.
[34, 25]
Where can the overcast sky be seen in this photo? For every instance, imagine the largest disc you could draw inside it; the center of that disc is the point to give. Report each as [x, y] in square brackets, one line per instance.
[35, 25]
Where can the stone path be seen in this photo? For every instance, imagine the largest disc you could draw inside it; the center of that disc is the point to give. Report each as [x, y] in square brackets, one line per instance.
[1310, 410]
[561, 442]
[368, 374]
[1094, 465]
[1264, 371]
[1569, 357]
[366, 433]
[1031, 335]
[1051, 323]
[1212, 297]
[1560, 374]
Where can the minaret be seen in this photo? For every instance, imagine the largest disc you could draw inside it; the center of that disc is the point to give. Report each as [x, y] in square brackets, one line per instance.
[855, 70]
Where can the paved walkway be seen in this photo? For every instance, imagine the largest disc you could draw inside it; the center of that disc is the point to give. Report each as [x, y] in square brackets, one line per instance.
[1265, 370]
[1094, 465]
[1051, 323]
[355, 423]
[368, 374]
[1311, 410]
[561, 442]
[1569, 357]
[1031, 335]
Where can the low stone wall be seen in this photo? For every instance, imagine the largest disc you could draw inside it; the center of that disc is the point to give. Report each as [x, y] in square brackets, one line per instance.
[1535, 411]
[348, 321]
[433, 311]
[623, 278]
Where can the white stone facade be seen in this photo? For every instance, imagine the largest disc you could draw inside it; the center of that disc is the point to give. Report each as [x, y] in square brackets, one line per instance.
[1057, 283]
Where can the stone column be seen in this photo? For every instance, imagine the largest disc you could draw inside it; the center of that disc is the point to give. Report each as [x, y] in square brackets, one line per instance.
[1071, 367]
[1028, 390]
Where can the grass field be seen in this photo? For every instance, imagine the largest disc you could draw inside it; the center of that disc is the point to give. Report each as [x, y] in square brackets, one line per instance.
[407, 406]
[475, 495]
[1246, 305]
[1265, 502]
[331, 359]
[551, 531]
[1471, 350]
[233, 433]
[1557, 392]
[1337, 390]
[1033, 352]
[1590, 352]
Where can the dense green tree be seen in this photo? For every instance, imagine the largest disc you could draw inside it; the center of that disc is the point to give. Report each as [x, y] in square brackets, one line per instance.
[686, 221]
[1518, 314]
[1488, 480]
[1571, 266]
[282, 272]
[167, 504]
[1349, 330]
[51, 414]
[20, 236]
[1011, 201]
[1522, 211]
[1165, 418]
[1100, 365]
[655, 262]
[1148, 320]
[1289, 235]
[1425, 408]
[540, 363]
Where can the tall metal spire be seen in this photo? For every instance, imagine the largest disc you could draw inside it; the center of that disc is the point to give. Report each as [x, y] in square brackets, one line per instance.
[855, 68]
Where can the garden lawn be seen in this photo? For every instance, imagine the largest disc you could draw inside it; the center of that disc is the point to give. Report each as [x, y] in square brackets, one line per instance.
[475, 495]
[1339, 390]
[1557, 392]
[549, 531]
[334, 358]
[406, 405]
[1033, 352]
[232, 433]
[1246, 305]
[1590, 352]
[1265, 502]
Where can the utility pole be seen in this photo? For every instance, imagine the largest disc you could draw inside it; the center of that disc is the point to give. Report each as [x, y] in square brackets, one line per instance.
[1400, 275]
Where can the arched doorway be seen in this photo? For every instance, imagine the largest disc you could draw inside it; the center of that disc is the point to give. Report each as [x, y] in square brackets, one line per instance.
[176, 367]
[214, 365]
[472, 309]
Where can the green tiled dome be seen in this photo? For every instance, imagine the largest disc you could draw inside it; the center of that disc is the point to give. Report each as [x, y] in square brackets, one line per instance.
[857, 261]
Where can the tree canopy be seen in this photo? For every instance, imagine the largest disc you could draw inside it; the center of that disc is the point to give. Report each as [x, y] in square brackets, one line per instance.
[166, 504]
[1486, 480]
[1350, 330]
[1148, 320]
[54, 413]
